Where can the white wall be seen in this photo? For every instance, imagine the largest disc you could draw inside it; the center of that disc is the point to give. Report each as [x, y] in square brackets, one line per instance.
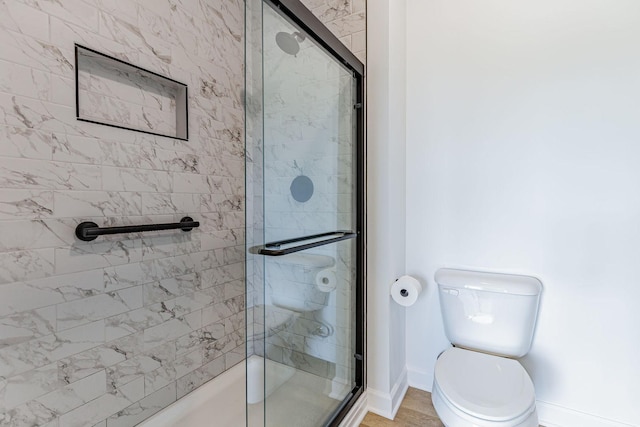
[523, 142]
[386, 161]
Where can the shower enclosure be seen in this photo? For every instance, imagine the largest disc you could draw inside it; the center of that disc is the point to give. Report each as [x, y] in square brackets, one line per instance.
[305, 219]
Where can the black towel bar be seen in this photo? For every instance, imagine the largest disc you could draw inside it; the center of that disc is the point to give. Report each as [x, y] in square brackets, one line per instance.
[315, 240]
[88, 231]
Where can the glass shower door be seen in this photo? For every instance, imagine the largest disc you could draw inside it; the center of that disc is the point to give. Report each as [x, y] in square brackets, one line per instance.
[306, 275]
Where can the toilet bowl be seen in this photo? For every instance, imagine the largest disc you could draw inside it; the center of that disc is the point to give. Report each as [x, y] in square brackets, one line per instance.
[490, 320]
[482, 390]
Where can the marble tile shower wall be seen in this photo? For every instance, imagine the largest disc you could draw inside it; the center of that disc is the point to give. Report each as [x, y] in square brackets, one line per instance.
[109, 332]
[346, 19]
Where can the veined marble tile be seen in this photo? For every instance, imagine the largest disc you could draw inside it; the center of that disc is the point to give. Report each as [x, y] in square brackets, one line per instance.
[179, 162]
[167, 331]
[348, 24]
[21, 18]
[186, 363]
[188, 303]
[136, 367]
[23, 357]
[76, 149]
[164, 268]
[221, 239]
[157, 22]
[195, 379]
[25, 81]
[32, 413]
[24, 296]
[217, 166]
[234, 289]
[221, 203]
[235, 322]
[127, 275]
[168, 289]
[233, 254]
[359, 41]
[169, 203]
[121, 179]
[223, 345]
[76, 204]
[87, 310]
[22, 388]
[26, 204]
[35, 234]
[36, 114]
[104, 406]
[39, 174]
[28, 51]
[27, 325]
[234, 357]
[73, 395]
[217, 312]
[26, 265]
[95, 360]
[98, 254]
[170, 244]
[62, 90]
[137, 321]
[116, 7]
[144, 408]
[123, 32]
[198, 339]
[139, 155]
[220, 275]
[74, 11]
[332, 9]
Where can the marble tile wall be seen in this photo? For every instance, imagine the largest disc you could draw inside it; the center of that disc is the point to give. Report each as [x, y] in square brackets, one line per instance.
[111, 331]
[347, 19]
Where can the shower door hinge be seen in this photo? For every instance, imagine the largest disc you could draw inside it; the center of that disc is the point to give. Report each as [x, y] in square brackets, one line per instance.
[358, 105]
[358, 356]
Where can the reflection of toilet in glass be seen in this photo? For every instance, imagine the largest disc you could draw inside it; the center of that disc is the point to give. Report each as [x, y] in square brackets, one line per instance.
[292, 282]
[490, 319]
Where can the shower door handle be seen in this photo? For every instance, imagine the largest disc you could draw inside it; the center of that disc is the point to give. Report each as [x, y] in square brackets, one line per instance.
[276, 248]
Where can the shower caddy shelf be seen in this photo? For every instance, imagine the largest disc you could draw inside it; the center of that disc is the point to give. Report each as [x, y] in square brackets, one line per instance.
[88, 231]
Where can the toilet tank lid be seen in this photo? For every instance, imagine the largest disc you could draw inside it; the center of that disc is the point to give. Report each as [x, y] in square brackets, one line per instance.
[490, 282]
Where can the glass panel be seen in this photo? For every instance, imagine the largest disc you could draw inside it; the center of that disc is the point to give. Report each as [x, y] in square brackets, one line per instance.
[308, 135]
[309, 326]
[301, 181]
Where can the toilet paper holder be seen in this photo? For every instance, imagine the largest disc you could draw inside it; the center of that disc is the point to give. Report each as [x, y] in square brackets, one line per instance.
[405, 290]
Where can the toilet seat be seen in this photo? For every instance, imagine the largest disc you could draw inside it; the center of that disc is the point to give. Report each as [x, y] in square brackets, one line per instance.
[483, 386]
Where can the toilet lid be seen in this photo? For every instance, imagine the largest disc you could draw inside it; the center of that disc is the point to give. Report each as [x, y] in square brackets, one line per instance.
[484, 386]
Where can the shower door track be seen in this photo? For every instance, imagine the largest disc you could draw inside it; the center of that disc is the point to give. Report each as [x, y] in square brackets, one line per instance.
[298, 13]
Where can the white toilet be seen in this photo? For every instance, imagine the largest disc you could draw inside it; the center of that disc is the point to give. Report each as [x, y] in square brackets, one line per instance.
[490, 319]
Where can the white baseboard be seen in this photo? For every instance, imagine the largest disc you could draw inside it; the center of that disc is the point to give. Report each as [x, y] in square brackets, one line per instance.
[387, 404]
[357, 412]
[551, 415]
[420, 379]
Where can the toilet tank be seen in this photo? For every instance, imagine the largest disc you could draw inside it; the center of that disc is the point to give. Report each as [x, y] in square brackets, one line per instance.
[489, 312]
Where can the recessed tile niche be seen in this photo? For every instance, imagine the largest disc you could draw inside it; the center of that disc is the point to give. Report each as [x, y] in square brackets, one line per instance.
[115, 93]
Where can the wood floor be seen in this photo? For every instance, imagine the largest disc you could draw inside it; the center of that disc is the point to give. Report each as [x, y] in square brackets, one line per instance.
[416, 410]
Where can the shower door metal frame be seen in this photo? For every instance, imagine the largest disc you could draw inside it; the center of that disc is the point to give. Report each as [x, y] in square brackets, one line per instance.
[298, 13]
